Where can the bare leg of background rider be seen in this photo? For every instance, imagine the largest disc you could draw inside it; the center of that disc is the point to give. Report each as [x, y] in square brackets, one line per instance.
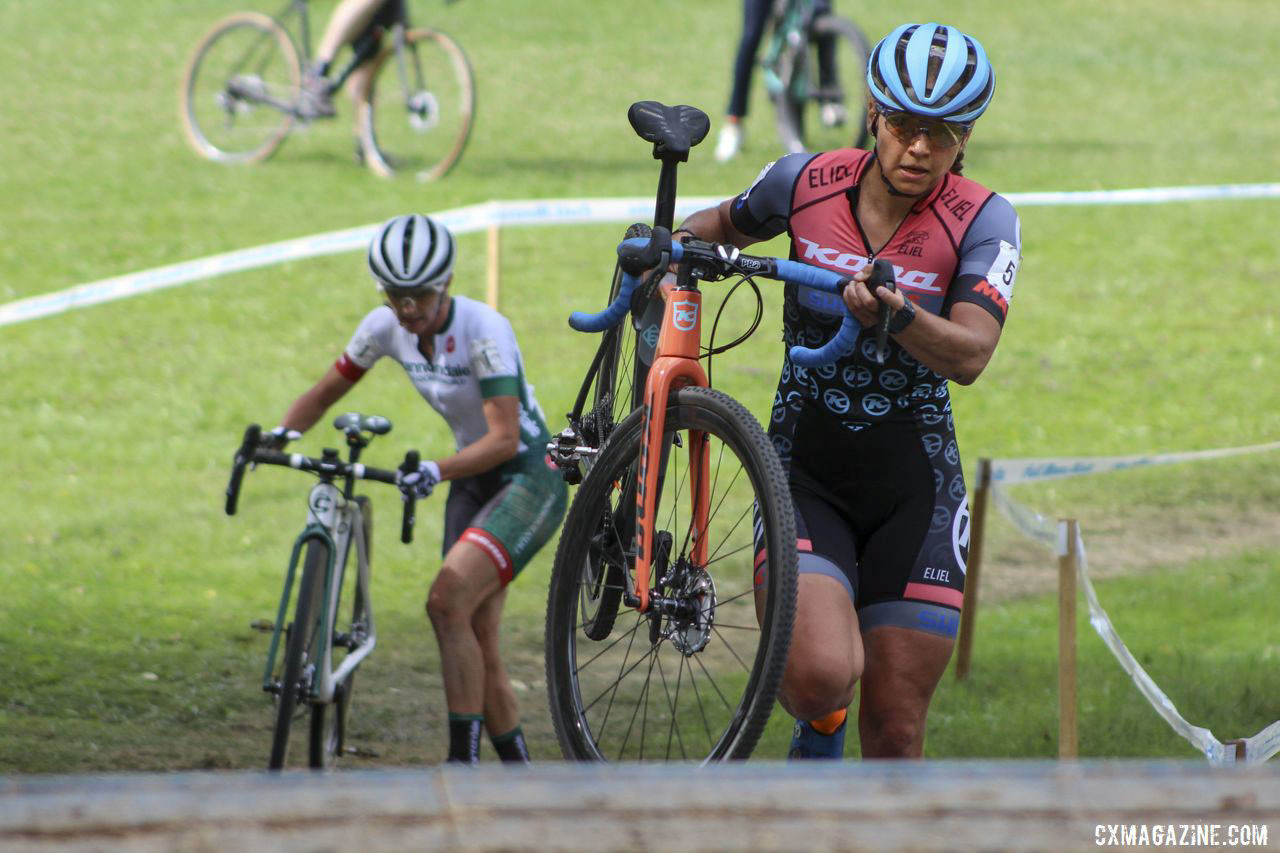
[348, 20]
[466, 580]
[501, 713]
[903, 667]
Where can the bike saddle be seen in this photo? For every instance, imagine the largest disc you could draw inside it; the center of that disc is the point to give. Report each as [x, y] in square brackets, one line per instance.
[354, 421]
[672, 130]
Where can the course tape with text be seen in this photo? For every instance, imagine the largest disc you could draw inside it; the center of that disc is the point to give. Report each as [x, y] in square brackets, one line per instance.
[514, 213]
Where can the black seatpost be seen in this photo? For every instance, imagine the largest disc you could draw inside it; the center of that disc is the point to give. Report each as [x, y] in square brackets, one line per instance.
[665, 209]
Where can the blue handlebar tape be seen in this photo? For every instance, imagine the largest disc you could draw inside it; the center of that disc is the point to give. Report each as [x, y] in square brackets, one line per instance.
[608, 318]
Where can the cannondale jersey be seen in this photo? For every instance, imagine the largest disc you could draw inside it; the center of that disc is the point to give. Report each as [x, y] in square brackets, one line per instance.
[961, 243]
[475, 357]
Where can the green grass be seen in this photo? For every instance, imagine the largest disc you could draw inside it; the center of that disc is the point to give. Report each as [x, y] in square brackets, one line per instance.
[128, 593]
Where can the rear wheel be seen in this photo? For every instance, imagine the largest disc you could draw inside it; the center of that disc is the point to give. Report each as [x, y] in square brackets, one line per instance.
[240, 89]
[302, 651]
[824, 104]
[694, 679]
[415, 116]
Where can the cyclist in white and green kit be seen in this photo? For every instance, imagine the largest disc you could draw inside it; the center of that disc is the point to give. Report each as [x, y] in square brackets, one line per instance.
[505, 500]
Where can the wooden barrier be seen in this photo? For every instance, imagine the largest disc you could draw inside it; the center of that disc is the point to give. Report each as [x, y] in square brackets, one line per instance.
[1006, 805]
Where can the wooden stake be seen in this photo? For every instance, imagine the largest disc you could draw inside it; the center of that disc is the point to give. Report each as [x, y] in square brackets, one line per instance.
[1068, 566]
[493, 262]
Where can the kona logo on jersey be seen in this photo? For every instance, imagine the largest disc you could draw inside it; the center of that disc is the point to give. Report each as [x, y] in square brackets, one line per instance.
[684, 315]
[836, 400]
[834, 258]
[876, 405]
[450, 344]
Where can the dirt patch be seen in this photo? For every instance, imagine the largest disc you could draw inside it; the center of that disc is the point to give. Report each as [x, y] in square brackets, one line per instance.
[1116, 544]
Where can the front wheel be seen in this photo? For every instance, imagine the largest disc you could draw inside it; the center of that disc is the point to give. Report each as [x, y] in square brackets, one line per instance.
[824, 102]
[240, 90]
[302, 651]
[694, 680]
[329, 721]
[416, 113]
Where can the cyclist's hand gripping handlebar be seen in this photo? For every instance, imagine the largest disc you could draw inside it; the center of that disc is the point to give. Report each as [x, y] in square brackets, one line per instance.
[882, 276]
[243, 457]
[409, 466]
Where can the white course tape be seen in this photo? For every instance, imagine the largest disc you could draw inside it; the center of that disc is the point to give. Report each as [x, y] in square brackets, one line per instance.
[1258, 748]
[515, 213]
[1006, 472]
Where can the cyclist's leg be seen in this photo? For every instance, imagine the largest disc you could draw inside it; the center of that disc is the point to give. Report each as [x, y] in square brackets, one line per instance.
[349, 20]
[904, 666]
[826, 657]
[755, 14]
[465, 580]
[912, 583]
[501, 711]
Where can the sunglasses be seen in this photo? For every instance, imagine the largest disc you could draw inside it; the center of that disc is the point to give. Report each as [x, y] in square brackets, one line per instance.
[407, 299]
[941, 134]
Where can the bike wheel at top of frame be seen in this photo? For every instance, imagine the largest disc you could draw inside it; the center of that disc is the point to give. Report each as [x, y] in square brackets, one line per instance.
[239, 90]
[302, 651]
[699, 685]
[329, 720]
[825, 106]
[415, 116]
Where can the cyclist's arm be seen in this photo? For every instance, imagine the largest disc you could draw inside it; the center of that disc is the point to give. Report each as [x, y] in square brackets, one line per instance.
[500, 443]
[958, 347]
[314, 402]
[960, 343]
[761, 212]
[714, 225]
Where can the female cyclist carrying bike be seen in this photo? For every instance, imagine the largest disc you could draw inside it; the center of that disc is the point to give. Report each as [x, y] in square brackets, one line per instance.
[505, 501]
[869, 443]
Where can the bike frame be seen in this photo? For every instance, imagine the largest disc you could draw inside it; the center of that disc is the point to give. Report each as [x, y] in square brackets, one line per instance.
[675, 366]
[332, 519]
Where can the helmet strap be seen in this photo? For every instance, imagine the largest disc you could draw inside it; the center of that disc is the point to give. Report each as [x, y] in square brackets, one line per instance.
[894, 191]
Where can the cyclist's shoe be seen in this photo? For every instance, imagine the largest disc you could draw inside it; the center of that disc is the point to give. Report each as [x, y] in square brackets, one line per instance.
[834, 115]
[808, 742]
[316, 99]
[729, 142]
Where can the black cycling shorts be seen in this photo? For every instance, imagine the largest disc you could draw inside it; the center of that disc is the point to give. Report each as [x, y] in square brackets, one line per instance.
[883, 510]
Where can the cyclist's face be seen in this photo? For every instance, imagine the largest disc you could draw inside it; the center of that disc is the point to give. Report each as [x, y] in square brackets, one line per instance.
[916, 153]
[422, 313]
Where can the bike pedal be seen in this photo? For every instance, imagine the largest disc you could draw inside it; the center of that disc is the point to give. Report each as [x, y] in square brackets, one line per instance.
[266, 626]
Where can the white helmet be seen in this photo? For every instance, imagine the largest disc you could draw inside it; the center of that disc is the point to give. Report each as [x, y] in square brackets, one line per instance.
[411, 254]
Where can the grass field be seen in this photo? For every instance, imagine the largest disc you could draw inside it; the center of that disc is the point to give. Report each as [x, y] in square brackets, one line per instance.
[124, 638]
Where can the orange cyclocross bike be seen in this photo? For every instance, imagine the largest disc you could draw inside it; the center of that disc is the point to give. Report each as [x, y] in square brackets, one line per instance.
[674, 584]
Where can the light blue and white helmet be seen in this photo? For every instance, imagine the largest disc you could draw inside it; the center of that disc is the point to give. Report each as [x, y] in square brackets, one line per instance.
[411, 253]
[902, 65]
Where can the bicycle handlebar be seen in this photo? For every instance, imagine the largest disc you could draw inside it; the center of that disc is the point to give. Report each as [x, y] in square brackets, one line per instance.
[639, 254]
[250, 453]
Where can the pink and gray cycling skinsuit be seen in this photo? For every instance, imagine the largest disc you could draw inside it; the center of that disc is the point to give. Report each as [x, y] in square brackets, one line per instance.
[870, 448]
